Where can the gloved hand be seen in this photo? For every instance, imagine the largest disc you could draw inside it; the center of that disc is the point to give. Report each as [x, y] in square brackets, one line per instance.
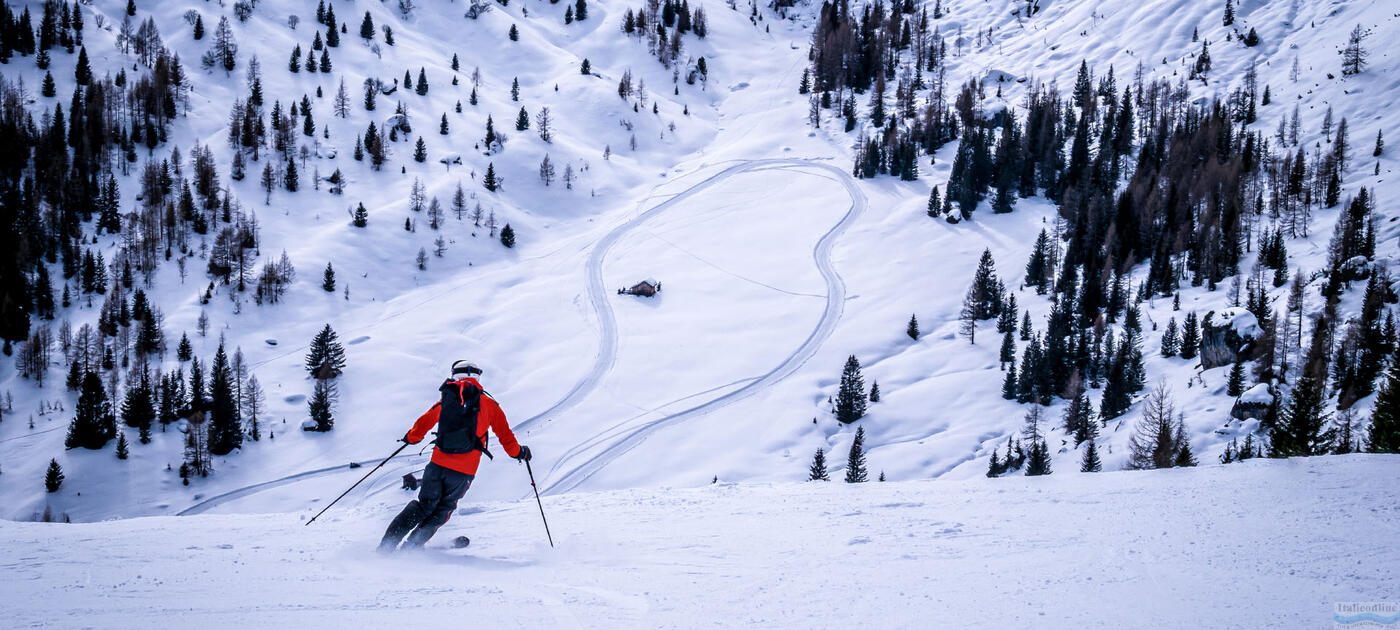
[524, 455]
[405, 440]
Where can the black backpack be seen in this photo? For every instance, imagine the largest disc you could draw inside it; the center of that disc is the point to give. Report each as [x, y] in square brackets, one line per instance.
[457, 419]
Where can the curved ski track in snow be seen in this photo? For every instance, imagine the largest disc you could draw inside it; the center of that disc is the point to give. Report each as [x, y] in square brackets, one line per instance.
[835, 302]
[607, 344]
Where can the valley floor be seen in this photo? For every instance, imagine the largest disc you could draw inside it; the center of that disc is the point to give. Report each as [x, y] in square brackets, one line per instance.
[1250, 545]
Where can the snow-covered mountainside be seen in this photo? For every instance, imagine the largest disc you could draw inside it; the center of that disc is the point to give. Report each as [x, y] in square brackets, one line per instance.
[1060, 236]
[1164, 549]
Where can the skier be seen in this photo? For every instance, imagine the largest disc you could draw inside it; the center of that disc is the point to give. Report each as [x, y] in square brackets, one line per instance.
[462, 417]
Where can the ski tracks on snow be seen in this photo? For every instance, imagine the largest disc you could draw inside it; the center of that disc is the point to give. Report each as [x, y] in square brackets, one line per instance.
[629, 437]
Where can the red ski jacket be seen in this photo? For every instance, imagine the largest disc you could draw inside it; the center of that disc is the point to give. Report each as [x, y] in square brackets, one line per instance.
[490, 415]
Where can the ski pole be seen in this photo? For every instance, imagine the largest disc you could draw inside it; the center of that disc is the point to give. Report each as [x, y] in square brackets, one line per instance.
[537, 502]
[362, 479]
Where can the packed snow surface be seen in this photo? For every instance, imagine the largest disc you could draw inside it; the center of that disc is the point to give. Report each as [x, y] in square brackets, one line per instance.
[1260, 544]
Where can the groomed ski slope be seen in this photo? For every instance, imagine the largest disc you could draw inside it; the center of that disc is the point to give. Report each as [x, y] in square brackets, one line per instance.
[1261, 544]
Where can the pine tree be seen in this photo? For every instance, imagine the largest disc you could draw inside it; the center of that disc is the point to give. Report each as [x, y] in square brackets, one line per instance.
[514, 35]
[1184, 457]
[198, 32]
[580, 10]
[1346, 432]
[850, 397]
[1341, 144]
[225, 425]
[1153, 442]
[1229, 12]
[225, 49]
[489, 182]
[1038, 267]
[1354, 55]
[490, 137]
[1010, 386]
[184, 351]
[290, 179]
[93, 424]
[1303, 424]
[422, 86]
[53, 478]
[875, 391]
[968, 316]
[855, 462]
[1229, 455]
[367, 27]
[913, 328]
[138, 408]
[1203, 59]
[1091, 461]
[328, 279]
[1038, 463]
[420, 150]
[986, 287]
[508, 236]
[994, 466]
[817, 471]
[253, 400]
[82, 73]
[1385, 418]
[123, 449]
[361, 218]
[326, 357]
[1079, 417]
[1190, 337]
[1006, 321]
[1008, 349]
[1380, 145]
[320, 407]
[1171, 339]
[1235, 385]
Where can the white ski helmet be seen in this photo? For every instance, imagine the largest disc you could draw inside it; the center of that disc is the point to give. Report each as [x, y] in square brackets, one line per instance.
[465, 369]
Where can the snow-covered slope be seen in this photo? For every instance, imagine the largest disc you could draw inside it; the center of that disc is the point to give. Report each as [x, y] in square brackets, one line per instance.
[1259, 544]
[774, 272]
[523, 312]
